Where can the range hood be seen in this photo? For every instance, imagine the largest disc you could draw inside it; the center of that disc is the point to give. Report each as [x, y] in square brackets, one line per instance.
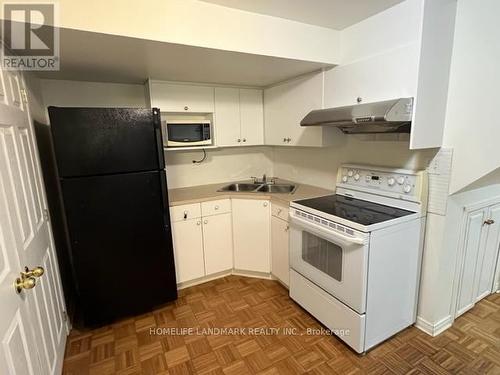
[389, 116]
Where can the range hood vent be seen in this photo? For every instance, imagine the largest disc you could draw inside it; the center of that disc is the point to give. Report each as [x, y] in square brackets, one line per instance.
[389, 116]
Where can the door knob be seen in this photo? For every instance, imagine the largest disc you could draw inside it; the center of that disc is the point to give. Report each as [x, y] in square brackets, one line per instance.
[489, 222]
[28, 279]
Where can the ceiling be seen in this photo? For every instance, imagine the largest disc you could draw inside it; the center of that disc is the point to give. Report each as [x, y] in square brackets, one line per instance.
[334, 14]
[87, 56]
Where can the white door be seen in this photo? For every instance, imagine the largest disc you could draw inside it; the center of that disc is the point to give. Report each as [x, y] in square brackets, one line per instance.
[218, 243]
[227, 116]
[251, 235]
[252, 117]
[487, 259]
[32, 324]
[280, 264]
[188, 250]
[473, 242]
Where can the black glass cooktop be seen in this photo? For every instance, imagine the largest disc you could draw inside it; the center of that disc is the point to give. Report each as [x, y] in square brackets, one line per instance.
[356, 210]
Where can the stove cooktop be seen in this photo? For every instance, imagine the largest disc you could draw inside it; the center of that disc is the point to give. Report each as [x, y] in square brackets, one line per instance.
[355, 210]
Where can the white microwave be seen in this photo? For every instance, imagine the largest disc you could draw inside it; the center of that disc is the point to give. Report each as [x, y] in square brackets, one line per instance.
[188, 133]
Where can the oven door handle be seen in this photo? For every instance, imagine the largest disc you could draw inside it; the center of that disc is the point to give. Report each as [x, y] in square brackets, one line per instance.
[332, 235]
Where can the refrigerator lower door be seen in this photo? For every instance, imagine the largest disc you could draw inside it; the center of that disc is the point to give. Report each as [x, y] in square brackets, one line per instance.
[121, 244]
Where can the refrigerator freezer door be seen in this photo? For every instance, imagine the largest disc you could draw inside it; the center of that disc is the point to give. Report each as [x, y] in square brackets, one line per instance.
[121, 244]
[98, 141]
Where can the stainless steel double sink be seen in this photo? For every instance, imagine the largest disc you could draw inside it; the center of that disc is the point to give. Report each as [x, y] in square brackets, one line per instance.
[259, 188]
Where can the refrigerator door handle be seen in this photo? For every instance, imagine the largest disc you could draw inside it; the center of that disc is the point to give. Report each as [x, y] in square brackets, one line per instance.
[158, 136]
[164, 197]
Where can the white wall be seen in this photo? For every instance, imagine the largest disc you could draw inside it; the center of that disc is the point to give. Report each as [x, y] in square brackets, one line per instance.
[202, 24]
[221, 165]
[472, 122]
[318, 166]
[91, 94]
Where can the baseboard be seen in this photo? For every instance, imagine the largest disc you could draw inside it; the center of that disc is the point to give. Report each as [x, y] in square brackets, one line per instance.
[218, 275]
[436, 328]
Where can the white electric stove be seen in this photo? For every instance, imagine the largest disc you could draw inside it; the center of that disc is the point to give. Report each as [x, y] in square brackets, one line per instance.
[355, 256]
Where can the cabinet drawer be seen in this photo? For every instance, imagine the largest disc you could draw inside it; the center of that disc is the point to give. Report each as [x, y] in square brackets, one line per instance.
[185, 212]
[333, 314]
[220, 206]
[279, 210]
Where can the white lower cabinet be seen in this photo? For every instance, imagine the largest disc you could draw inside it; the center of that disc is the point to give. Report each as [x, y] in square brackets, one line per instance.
[280, 264]
[218, 243]
[480, 247]
[202, 245]
[188, 250]
[251, 235]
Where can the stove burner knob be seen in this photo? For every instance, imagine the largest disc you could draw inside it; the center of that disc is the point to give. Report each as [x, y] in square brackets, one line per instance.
[401, 180]
[407, 188]
[344, 178]
[350, 172]
[368, 178]
[356, 176]
[391, 181]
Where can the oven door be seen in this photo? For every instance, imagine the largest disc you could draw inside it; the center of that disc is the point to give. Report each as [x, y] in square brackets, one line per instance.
[188, 134]
[334, 261]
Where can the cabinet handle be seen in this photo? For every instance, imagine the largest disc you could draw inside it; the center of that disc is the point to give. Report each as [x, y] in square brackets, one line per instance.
[198, 222]
[284, 139]
[265, 204]
[186, 108]
[205, 221]
[216, 207]
[185, 215]
[287, 228]
[239, 140]
[244, 139]
[359, 99]
[489, 222]
[288, 140]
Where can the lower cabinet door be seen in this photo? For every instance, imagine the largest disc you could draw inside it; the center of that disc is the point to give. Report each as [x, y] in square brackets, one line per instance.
[280, 264]
[218, 243]
[188, 250]
[251, 233]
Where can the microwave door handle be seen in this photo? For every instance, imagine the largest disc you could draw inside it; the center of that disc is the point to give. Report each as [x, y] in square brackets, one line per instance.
[333, 236]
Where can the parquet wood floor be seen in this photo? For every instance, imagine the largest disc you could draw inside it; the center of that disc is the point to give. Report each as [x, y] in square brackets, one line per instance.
[471, 346]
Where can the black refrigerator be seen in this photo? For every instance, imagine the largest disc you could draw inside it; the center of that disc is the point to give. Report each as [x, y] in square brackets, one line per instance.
[110, 212]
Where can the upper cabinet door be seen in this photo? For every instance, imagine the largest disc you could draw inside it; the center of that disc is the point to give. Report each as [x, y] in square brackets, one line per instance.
[252, 117]
[171, 97]
[285, 105]
[382, 77]
[227, 116]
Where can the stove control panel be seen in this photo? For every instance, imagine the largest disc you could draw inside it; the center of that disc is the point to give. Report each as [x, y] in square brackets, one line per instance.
[381, 180]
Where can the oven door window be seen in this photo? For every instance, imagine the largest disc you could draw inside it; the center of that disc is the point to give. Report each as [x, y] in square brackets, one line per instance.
[185, 132]
[322, 255]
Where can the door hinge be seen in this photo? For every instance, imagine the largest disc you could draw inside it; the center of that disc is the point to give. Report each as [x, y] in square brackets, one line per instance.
[46, 216]
[24, 95]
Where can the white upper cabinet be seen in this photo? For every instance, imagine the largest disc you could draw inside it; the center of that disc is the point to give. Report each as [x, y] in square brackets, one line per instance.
[252, 116]
[285, 105]
[227, 116]
[239, 117]
[170, 97]
[382, 77]
[404, 51]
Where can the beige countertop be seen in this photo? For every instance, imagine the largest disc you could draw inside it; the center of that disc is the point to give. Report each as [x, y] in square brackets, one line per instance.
[200, 193]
